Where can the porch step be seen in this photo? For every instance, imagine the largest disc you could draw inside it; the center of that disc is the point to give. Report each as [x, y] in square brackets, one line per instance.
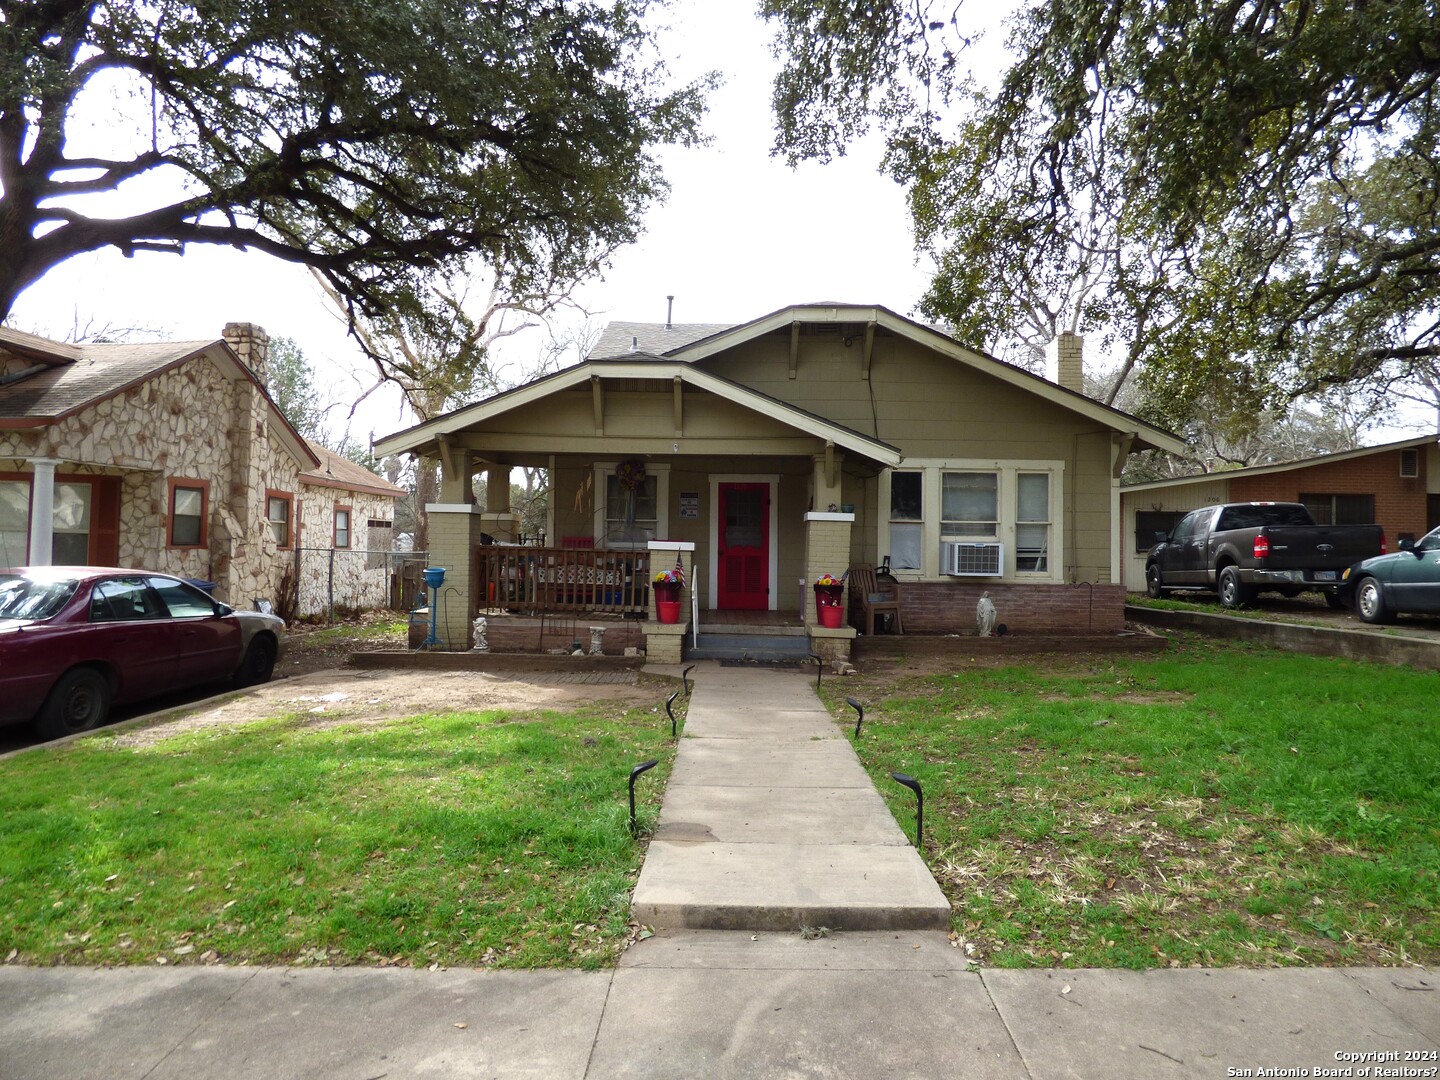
[749, 646]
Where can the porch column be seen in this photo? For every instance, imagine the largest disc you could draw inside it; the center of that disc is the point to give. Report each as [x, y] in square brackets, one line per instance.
[665, 642]
[499, 518]
[42, 511]
[827, 551]
[454, 534]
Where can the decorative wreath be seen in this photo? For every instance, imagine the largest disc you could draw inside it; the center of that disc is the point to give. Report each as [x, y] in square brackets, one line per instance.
[631, 474]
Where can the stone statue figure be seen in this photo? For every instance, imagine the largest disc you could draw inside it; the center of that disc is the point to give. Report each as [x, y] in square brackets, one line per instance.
[478, 629]
[985, 615]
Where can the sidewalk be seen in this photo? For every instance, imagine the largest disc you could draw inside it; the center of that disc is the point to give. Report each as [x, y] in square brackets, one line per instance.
[768, 819]
[713, 1004]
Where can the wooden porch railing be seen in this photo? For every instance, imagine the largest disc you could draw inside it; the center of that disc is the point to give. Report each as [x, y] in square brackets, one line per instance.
[543, 579]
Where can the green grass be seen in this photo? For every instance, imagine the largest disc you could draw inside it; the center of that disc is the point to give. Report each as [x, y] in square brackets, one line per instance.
[384, 628]
[1216, 805]
[477, 839]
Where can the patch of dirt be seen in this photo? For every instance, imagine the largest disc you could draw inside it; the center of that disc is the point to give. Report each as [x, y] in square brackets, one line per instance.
[351, 696]
[312, 681]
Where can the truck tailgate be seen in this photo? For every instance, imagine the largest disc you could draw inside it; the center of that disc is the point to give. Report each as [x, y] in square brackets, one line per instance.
[1320, 547]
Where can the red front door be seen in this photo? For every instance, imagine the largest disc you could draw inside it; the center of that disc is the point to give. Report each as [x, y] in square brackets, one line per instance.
[744, 559]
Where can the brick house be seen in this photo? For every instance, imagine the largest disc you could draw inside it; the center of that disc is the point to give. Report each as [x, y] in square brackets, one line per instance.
[1396, 485]
[765, 454]
[169, 456]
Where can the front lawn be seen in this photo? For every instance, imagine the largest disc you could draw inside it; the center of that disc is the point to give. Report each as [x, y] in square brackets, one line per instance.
[1216, 805]
[490, 839]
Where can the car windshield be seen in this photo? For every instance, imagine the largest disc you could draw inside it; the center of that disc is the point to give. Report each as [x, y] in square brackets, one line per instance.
[31, 599]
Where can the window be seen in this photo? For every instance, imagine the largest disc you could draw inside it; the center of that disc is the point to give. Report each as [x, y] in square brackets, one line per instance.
[632, 515]
[1150, 524]
[1032, 523]
[70, 545]
[1006, 511]
[181, 600]
[1410, 464]
[14, 522]
[970, 504]
[1340, 509]
[907, 505]
[188, 500]
[124, 600]
[279, 508]
[342, 526]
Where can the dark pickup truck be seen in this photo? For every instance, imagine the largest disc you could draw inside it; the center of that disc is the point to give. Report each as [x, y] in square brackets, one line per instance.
[1240, 549]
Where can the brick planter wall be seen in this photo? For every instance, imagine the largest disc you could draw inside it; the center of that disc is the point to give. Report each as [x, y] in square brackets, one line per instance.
[942, 607]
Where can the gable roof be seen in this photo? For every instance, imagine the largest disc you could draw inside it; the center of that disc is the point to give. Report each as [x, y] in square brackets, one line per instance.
[622, 340]
[337, 471]
[638, 366]
[70, 378]
[696, 341]
[1284, 466]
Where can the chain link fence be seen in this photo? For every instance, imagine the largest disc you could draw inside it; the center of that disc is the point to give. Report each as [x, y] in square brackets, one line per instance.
[333, 581]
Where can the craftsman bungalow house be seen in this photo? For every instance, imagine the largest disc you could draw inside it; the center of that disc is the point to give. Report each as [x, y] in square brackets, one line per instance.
[766, 454]
[170, 456]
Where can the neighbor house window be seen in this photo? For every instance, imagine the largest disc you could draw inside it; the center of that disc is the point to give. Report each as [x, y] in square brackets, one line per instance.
[1341, 509]
[188, 499]
[279, 511]
[342, 526]
[907, 517]
[70, 545]
[1151, 524]
[14, 522]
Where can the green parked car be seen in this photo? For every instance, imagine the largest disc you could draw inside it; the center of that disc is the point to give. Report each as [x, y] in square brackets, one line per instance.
[1407, 580]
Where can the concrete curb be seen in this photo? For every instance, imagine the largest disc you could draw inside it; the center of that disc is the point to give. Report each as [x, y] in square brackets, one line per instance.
[1386, 646]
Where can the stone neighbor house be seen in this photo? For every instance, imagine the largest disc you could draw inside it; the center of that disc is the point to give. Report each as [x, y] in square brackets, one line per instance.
[1396, 485]
[171, 456]
[766, 454]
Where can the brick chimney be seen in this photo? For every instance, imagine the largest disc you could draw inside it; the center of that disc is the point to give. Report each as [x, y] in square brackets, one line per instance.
[1065, 361]
[252, 345]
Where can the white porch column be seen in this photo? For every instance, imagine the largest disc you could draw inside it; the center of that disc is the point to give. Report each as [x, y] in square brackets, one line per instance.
[42, 512]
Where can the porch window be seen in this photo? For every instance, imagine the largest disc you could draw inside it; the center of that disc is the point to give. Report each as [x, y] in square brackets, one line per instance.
[278, 511]
[342, 526]
[188, 500]
[1032, 523]
[14, 522]
[907, 517]
[632, 515]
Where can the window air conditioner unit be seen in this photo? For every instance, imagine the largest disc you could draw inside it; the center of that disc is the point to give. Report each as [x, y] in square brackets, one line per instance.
[1409, 463]
[971, 560]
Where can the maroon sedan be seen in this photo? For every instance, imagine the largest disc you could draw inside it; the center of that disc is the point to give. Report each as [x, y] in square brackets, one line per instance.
[75, 640]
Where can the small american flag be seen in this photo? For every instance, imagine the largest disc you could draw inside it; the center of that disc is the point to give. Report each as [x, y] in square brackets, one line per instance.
[679, 572]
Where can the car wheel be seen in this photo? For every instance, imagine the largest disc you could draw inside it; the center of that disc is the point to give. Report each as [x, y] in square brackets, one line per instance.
[1370, 601]
[259, 663]
[1234, 593]
[1154, 585]
[78, 702]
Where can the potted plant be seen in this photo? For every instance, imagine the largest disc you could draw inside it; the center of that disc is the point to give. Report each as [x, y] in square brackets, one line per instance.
[667, 585]
[829, 600]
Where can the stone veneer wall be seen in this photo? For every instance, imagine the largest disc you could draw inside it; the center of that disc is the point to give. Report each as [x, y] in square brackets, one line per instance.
[359, 581]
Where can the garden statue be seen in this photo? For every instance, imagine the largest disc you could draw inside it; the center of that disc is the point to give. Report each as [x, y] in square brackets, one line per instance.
[985, 615]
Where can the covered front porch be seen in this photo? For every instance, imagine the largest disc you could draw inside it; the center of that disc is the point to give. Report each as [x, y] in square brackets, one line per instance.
[744, 500]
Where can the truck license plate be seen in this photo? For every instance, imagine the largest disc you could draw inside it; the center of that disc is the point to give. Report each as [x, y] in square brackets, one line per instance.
[1324, 575]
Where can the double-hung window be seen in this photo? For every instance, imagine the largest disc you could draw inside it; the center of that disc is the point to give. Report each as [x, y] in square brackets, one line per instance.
[1032, 522]
[187, 513]
[970, 505]
[278, 511]
[907, 520]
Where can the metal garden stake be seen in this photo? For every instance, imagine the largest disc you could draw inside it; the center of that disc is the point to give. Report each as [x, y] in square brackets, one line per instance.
[644, 766]
[914, 785]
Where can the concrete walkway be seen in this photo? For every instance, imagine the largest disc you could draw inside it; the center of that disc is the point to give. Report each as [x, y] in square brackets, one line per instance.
[769, 822]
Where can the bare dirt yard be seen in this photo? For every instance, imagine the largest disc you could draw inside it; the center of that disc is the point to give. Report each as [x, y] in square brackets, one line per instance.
[312, 680]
